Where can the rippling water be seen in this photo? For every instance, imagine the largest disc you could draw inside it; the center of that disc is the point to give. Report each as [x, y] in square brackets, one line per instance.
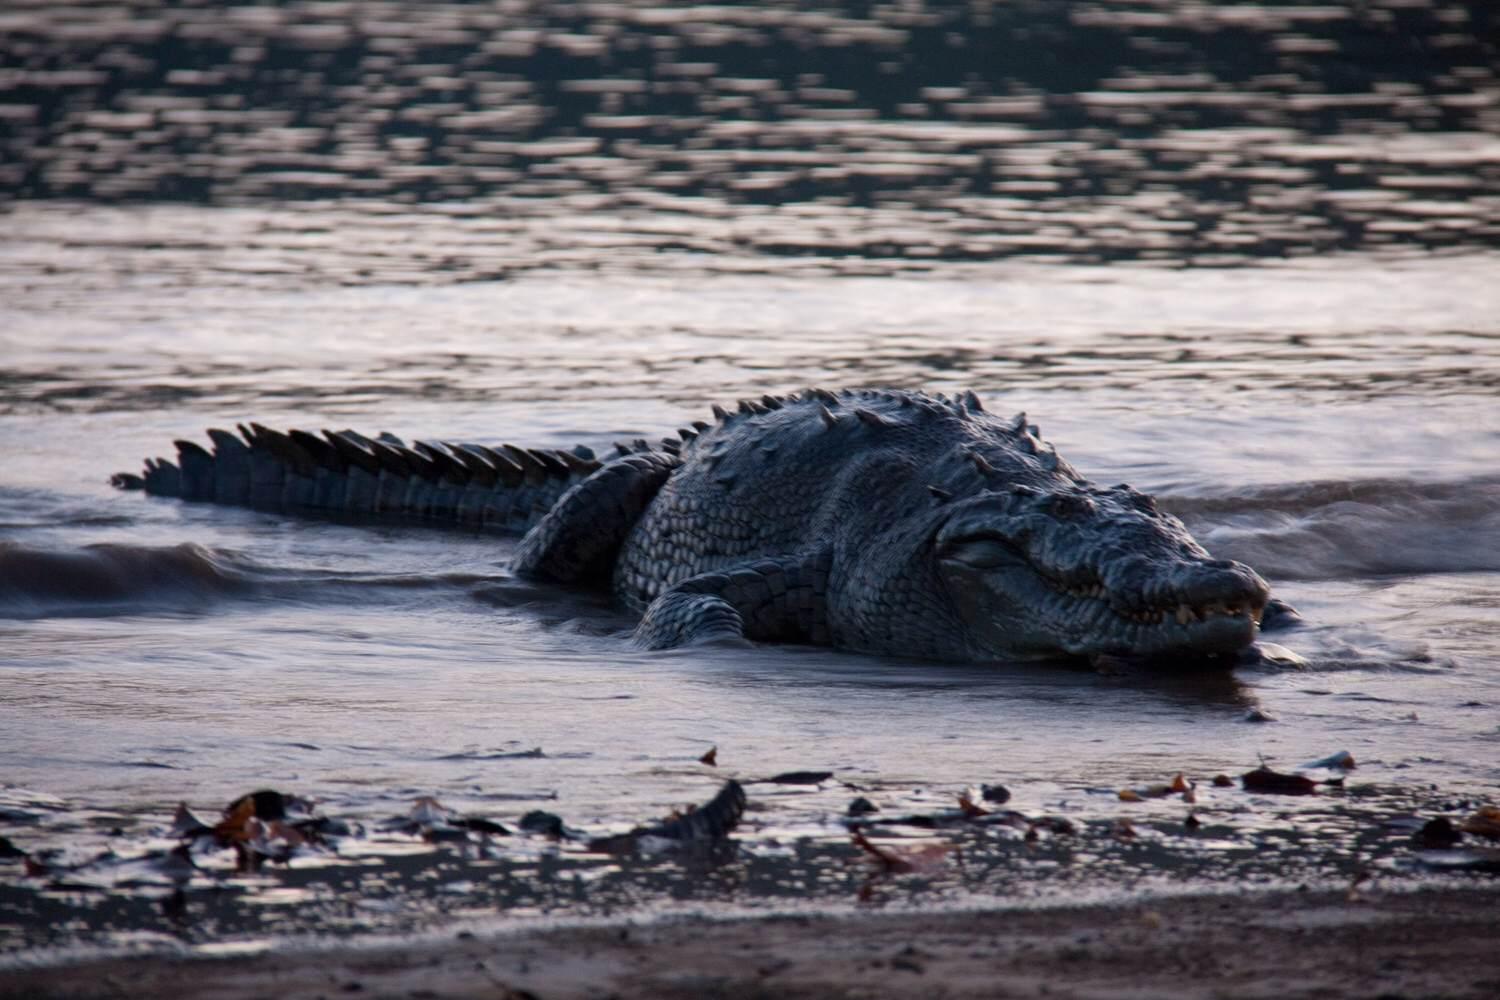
[1241, 256]
[471, 141]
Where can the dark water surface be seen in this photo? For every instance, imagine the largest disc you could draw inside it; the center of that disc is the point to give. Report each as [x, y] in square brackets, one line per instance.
[868, 137]
[1246, 257]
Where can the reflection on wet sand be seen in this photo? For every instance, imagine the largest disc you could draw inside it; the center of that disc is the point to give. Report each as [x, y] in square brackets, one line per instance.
[91, 340]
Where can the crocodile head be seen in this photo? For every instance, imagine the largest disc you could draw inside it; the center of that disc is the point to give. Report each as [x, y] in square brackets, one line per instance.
[1076, 570]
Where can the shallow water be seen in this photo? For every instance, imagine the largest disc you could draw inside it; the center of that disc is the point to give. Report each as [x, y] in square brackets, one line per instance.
[1274, 309]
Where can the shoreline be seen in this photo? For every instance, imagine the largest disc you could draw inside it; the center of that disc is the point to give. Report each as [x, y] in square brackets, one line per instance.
[1266, 943]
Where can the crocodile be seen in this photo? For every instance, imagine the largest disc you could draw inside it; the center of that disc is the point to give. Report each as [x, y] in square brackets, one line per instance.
[880, 521]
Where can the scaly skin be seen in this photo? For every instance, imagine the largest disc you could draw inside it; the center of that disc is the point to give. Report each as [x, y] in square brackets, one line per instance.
[941, 531]
[881, 521]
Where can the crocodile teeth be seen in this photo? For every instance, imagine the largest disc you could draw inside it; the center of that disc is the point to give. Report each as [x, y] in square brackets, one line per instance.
[1083, 591]
[1186, 614]
[1183, 614]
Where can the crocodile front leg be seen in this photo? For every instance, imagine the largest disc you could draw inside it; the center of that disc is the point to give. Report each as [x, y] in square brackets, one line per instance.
[1278, 615]
[577, 540]
[770, 600]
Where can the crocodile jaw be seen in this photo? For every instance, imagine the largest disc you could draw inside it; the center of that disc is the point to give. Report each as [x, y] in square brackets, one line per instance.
[1109, 577]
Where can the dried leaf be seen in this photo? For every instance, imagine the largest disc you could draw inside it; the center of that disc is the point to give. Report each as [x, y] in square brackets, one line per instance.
[177, 864]
[1223, 781]
[174, 905]
[1484, 823]
[428, 810]
[236, 825]
[902, 860]
[276, 840]
[968, 807]
[1343, 759]
[1149, 792]
[1263, 779]
[185, 824]
[267, 804]
[1055, 824]
[713, 820]
[279, 840]
[1437, 834]
[887, 859]
[711, 758]
[800, 777]
[246, 861]
[545, 823]
[480, 825]
[861, 807]
[285, 832]
[319, 828]
[706, 825]
[1180, 783]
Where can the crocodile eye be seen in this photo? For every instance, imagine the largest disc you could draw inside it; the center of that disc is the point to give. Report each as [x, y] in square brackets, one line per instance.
[985, 552]
[1070, 505]
[1143, 502]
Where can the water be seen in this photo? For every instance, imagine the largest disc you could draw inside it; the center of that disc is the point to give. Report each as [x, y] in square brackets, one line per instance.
[1241, 257]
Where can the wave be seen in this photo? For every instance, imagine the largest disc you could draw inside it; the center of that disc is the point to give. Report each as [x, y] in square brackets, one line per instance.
[115, 577]
[107, 579]
[1319, 530]
[1336, 529]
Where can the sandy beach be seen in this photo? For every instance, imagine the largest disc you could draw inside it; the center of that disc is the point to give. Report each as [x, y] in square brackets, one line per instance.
[1425, 943]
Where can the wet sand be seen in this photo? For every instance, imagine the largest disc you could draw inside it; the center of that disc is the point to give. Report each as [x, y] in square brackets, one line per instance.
[1428, 942]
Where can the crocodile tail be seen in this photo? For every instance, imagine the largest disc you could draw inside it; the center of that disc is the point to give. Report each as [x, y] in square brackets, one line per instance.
[504, 489]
